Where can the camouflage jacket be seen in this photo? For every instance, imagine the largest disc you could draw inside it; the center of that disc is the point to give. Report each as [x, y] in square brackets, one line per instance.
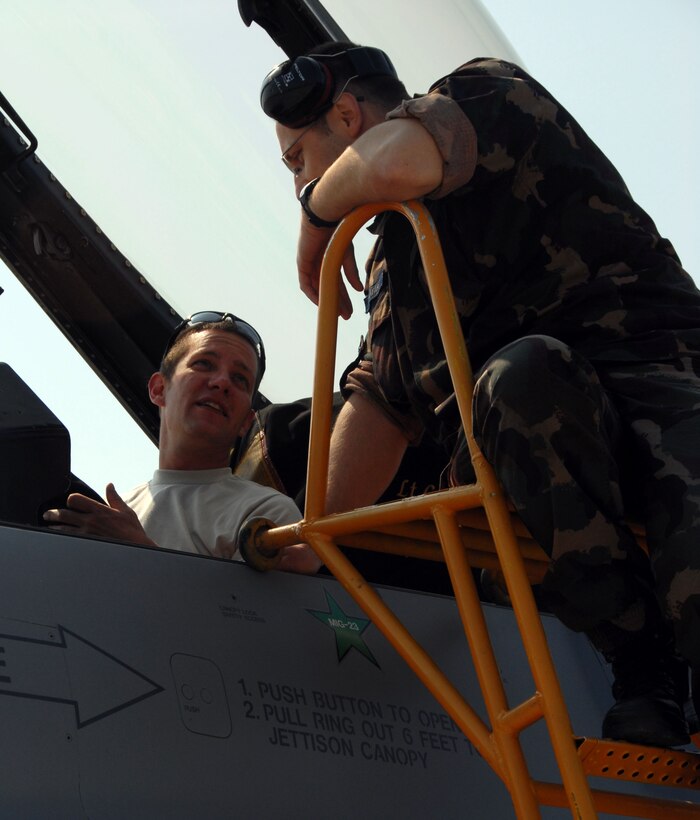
[540, 235]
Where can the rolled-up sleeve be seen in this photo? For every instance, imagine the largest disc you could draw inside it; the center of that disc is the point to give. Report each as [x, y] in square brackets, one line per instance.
[453, 133]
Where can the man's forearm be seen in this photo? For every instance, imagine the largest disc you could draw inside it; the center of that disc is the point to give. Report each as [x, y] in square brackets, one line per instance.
[396, 160]
[366, 451]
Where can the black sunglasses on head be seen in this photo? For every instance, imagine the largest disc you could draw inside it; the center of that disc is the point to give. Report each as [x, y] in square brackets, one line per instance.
[242, 328]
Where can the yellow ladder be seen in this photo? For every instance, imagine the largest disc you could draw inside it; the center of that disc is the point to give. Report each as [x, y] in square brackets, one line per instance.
[464, 526]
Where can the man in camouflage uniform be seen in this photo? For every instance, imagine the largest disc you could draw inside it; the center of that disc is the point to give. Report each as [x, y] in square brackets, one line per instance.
[582, 326]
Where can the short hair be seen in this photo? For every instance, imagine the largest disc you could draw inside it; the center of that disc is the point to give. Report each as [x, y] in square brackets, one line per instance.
[381, 90]
[179, 347]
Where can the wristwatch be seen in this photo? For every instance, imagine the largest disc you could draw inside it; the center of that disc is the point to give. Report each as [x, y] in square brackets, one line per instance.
[304, 196]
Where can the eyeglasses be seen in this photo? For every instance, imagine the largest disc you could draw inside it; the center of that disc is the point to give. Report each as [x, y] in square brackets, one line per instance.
[291, 163]
[242, 328]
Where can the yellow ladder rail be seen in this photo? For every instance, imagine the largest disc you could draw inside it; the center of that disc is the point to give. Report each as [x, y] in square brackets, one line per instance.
[441, 516]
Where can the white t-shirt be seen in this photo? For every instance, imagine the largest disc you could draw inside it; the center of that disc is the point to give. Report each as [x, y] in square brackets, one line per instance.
[203, 510]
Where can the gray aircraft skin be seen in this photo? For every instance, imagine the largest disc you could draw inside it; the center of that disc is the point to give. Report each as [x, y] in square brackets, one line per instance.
[142, 683]
[146, 683]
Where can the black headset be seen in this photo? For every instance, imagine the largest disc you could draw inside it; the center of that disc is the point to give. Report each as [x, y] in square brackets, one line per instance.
[297, 92]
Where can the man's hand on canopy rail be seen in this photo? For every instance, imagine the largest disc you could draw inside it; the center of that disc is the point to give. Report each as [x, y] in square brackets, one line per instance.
[286, 557]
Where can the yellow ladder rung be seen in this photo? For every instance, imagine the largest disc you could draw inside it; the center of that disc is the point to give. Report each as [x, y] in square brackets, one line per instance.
[523, 715]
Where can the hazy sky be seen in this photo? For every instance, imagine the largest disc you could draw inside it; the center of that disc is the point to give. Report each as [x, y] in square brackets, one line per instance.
[147, 111]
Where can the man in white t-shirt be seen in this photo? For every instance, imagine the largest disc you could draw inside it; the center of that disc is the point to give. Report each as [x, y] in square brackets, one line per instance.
[204, 389]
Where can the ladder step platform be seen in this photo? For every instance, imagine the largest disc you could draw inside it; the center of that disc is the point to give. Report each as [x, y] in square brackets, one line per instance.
[641, 764]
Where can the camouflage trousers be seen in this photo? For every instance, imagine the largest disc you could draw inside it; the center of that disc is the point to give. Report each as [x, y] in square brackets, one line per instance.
[579, 448]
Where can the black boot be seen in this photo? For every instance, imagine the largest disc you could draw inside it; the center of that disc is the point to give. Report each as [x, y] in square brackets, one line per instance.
[650, 688]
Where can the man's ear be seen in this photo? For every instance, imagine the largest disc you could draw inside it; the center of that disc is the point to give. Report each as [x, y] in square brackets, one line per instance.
[156, 389]
[246, 423]
[346, 115]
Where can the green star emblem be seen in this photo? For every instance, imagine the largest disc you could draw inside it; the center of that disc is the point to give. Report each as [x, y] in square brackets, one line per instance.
[348, 630]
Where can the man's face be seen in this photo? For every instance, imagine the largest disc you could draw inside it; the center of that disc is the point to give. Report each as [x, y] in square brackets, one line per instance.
[206, 403]
[309, 151]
